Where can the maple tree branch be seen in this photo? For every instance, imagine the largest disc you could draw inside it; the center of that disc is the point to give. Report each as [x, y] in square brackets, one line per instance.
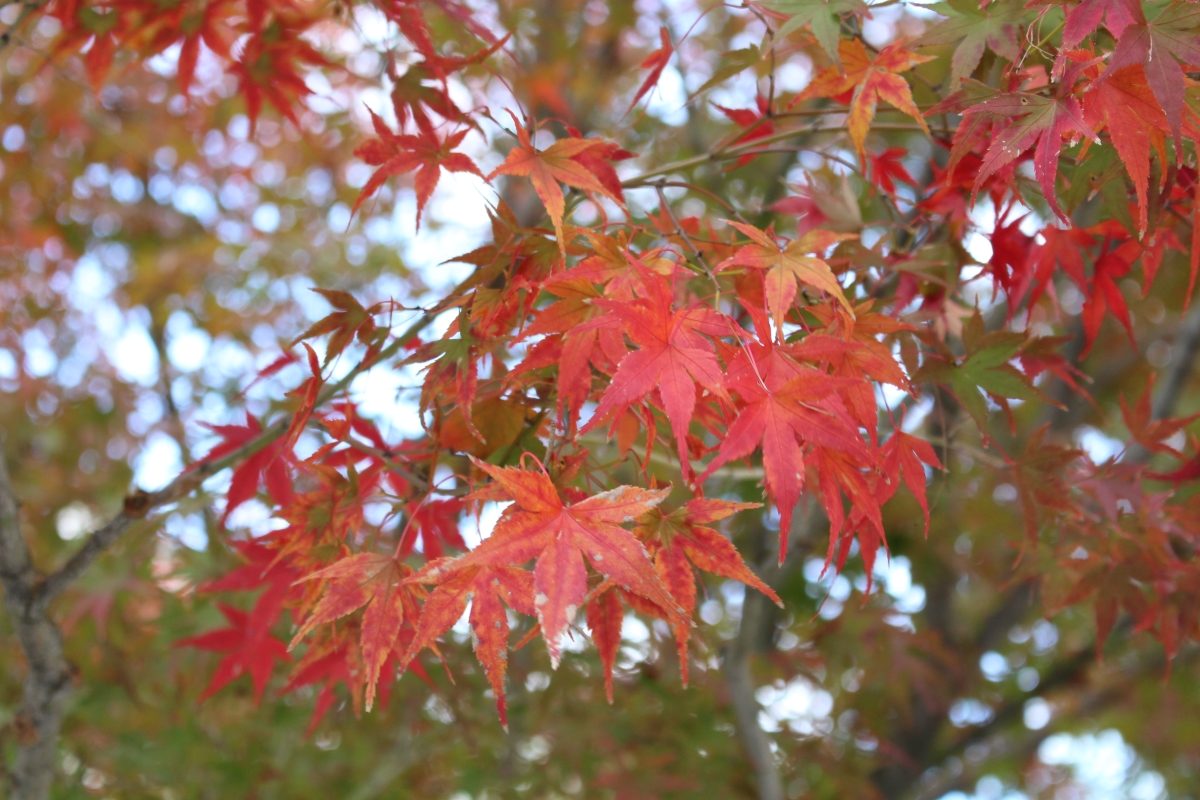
[749, 148]
[48, 680]
[140, 503]
[745, 708]
[753, 635]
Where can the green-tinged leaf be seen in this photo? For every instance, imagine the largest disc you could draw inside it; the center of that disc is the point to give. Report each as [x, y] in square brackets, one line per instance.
[976, 29]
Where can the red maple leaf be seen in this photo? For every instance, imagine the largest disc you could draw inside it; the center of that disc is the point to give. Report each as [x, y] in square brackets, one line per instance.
[191, 24]
[247, 643]
[682, 539]
[569, 343]
[547, 168]
[903, 457]
[781, 414]
[485, 587]
[1085, 18]
[539, 525]
[673, 356]
[1104, 293]
[377, 582]
[784, 269]
[1156, 46]
[426, 153]
[888, 167]
[1148, 432]
[758, 124]
[656, 62]
[436, 523]
[271, 60]
[1126, 107]
[1031, 121]
[268, 466]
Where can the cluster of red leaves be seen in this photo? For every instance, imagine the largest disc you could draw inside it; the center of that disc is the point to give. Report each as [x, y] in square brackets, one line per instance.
[274, 46]
[616, 334]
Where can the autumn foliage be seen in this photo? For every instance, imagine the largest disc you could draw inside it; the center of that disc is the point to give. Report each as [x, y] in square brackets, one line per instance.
[640, 356]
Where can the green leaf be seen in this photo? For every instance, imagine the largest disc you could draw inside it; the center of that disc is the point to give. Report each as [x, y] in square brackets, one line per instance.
[823, 19]
[995, 28]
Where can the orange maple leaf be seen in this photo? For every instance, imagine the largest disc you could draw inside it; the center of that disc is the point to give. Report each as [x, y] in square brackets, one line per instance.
[484, 587]
[375, 581]
[787, 267]
[557, 163]
[870, 80]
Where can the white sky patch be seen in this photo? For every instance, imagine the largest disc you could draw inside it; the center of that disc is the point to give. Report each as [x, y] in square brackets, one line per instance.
[74, 521]
[158, 462]
[1105, 767]
[475, 530]
[799, 704]
[1099, 446]
[380, 396]
[666, 100]
[187, 345]
[189, 530]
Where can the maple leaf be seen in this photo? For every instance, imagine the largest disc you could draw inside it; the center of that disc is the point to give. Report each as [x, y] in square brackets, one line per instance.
[673, 355]
[870, 80]
[247, 643]
[1104, 293]
[605, 618]
[1190, 471]
[539, 525]
[788, 267]
[456, 368]
[781, 414]
[985, 367]
[680, 539]
[903, 456]
[484, 586]
[996, 27]
[348, 320]
[823, 18]
[758, 125]
[577, 346]
[1125, 106]
[308, 391]
[1029, 120]
[189, 25]
[546, 168]
[1152, 433]
[436, 523]
[1085, 17]
[270, 62]
[421, 89]
[426, 153]
[1039, 477]
[857, 355]
[837, 474]
[267, 466]
[377, 582]
[1172, 32]
[1060, 248]
[888, 167]
[1010, 254]
[656, 62]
